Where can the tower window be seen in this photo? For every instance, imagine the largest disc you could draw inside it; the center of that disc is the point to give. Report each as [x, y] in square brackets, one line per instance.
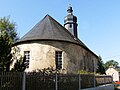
[58, 56]
[70, 25]
[27, 58]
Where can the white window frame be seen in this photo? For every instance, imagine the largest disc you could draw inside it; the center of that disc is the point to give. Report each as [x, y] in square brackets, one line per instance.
[58, 59]
[27, 58]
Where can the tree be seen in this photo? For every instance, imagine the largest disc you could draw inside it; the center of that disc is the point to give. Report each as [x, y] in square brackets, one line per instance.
[101, 68]
[111, 63]
[8, 36]
[20, 65]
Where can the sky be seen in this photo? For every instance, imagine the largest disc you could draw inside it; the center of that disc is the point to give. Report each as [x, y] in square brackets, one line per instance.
[98, 20]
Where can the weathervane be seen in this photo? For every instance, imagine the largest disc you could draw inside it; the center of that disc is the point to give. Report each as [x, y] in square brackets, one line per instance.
[69, 2]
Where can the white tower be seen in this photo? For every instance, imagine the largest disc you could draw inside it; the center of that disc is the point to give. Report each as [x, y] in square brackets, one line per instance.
[70, 22]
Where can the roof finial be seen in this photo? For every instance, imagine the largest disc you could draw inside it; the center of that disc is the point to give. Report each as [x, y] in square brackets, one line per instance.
[70, 9]
[69, 2]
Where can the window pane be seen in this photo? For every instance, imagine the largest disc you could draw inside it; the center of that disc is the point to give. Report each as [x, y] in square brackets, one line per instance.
[58, 59]
[27, 58]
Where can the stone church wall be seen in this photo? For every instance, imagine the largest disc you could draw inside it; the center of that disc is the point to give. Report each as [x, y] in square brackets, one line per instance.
[42, 55]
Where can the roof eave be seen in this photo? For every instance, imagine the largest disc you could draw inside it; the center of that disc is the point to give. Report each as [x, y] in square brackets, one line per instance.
[29, 41]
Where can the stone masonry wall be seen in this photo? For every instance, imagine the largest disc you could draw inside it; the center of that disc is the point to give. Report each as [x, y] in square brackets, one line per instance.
[42, 55]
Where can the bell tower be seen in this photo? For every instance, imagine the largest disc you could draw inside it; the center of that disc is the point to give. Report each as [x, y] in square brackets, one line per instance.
[70, 22]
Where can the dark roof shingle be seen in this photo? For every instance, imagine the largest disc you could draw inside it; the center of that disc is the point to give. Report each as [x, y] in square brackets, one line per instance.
[49, 29]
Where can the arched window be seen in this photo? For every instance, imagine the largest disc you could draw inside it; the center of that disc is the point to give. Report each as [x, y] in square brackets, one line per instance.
[70, 25]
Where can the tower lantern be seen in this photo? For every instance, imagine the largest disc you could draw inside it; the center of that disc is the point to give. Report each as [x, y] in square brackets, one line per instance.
[70, 22]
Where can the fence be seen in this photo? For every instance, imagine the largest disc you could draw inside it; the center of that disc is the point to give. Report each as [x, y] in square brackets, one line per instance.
[35, 81]
[11, 81]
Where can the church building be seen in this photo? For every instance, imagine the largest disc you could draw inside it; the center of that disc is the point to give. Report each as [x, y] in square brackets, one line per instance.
[49, 44]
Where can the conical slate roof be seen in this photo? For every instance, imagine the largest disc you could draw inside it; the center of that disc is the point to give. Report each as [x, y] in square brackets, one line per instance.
[49, 29]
